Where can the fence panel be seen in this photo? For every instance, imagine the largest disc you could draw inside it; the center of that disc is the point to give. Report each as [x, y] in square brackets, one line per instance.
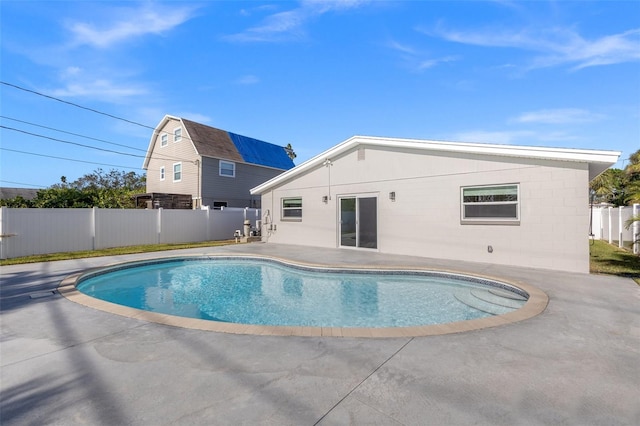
[28, 232]
[226, 221]
[183, 226]
[125, 227]
[610, 224]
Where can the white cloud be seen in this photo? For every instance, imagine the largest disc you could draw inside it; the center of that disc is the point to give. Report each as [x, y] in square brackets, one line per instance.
[416, 60]
[129, 23]
[246, 80]
[558, 116]
[98, 88]
[494, 137]
[290, 24]
[557, 46]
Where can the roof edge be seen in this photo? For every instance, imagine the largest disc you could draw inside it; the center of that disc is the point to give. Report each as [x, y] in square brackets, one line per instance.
[598, 160]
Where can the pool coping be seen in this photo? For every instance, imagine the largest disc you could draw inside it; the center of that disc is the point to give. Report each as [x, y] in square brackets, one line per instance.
[535, 305]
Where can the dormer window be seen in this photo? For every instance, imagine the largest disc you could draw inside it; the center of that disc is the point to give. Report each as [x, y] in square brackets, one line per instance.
[177, 134]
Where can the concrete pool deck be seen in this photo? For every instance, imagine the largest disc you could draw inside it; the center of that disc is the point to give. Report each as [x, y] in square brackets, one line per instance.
[578, 362]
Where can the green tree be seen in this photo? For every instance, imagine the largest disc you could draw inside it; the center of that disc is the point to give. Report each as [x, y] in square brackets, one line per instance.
[113, 189]
[632, 174]
[290, 152]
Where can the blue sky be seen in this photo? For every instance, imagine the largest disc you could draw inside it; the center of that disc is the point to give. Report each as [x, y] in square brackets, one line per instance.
[311, 73]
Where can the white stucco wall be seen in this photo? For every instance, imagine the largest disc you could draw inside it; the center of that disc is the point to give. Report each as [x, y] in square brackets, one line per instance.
[424, 220]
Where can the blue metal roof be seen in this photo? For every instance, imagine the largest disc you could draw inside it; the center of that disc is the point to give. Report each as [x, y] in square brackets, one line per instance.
[255, 151]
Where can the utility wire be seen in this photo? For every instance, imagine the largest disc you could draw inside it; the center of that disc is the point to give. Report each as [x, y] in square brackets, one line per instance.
[22, 183]
[71, 133]
[69, 159]
[71, 143]
[76, 105]
[164, 156]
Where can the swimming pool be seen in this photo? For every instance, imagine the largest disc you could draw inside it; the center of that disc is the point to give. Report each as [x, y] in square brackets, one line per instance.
[271, 292]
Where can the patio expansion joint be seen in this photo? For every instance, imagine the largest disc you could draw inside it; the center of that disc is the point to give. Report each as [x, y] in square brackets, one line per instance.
[375, 370]
[74, 345]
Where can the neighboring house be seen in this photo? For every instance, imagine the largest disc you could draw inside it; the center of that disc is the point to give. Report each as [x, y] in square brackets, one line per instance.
[511, 205]
[215, 167]
[10, 193]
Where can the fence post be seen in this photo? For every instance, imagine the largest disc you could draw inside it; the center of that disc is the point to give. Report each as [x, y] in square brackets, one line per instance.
[636, 228]
[159, 225]
[609, 210]
[208, 223]
[620, 227]
[3, 216]
[92, 231]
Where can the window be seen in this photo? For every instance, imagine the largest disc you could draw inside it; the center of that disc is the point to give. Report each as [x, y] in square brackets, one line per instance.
[162, 173]
[496, 204]
[227, 169]
[164, 139]
[177, 134]
[292, 208]
[218, 205]
[177, 172]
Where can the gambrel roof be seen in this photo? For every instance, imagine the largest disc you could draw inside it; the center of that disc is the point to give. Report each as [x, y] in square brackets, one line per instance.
[598, 161]
[216, 143]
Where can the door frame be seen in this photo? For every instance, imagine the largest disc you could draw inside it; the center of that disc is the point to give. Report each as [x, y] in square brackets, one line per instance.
[356, 196]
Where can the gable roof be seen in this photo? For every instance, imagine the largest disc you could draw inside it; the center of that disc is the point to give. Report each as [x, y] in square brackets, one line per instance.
[216, 143]
[598, 161]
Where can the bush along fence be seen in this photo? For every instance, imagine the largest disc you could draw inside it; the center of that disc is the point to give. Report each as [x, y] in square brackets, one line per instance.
[25, 232]
[612, 224]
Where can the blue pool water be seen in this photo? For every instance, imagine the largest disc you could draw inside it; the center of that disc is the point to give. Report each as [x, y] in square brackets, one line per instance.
[266, 292]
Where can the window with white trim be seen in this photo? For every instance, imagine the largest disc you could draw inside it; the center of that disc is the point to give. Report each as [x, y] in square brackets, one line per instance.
[177, 134]
[164, 139]
[497, 204]
[227, 169]
[292, 208]
[177, 172]
[162, 173]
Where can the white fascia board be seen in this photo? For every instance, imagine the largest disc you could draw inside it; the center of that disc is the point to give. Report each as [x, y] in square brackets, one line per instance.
[598, 160]
[156, 131]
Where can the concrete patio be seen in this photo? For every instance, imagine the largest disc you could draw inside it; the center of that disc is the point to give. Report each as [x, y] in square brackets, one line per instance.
[63, 363]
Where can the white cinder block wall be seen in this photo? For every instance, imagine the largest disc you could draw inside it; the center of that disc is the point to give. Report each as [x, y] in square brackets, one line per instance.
[424, 220]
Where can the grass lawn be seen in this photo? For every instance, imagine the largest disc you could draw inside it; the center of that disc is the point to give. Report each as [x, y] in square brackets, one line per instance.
[605, 258]
[609, 259]
[110, 252]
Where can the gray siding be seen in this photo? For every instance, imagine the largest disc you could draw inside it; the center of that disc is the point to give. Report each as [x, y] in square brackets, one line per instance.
[233, 190]
[425, 218]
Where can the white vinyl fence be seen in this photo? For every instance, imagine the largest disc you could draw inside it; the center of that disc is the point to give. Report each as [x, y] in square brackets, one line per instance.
[25, 232]
[609, 224]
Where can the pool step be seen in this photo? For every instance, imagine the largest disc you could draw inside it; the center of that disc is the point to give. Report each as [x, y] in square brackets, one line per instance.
[488, 296]
[488, 302]
[507, 294]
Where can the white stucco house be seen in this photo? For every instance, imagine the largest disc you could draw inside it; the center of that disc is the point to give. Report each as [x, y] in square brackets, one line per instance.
[502, 204]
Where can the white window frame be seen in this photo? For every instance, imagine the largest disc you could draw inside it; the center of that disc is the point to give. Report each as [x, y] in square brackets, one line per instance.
[179, 171]
[177, 134]
[162, 173]
[289, 210]
[490, 220]
[164, 139]
[227, 163]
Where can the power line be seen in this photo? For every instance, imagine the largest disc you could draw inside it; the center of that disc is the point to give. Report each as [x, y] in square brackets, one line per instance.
[76, 105]
[71, 133]
[70, 159]
[164, 156]
[71, 143]
[21, 183]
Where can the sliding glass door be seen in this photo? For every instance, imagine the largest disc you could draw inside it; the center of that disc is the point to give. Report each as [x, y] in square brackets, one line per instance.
[359, 222]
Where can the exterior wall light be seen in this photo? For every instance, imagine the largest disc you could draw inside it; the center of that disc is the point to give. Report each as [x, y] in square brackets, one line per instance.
[392, 195]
